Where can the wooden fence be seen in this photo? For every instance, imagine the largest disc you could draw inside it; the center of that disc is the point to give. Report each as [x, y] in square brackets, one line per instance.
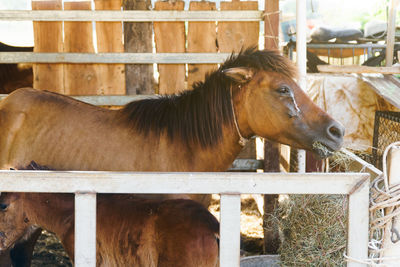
[85, 185]
[234, 26]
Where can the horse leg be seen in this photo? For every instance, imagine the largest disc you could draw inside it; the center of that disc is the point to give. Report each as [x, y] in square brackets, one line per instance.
[21, 253]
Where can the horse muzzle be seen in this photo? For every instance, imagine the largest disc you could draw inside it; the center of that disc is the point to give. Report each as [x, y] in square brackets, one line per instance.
[330, 141]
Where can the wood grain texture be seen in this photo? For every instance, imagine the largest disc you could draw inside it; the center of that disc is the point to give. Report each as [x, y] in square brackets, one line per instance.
[170, 37]
[271, 24]
[79, 79]
[138, 38]
[202, 37]
[233, 36]
[111, 77]
[48, 38]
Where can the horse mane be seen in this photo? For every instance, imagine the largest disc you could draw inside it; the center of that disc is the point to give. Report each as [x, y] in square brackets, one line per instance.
[197, 116]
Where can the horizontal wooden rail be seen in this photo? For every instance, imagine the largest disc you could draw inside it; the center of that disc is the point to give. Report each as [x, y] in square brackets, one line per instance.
[358, 69]
[109, 58]
[179, 183]
[86, 185]
[129, 15]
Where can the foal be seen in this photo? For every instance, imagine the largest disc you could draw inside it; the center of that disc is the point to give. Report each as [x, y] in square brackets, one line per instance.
[130, 232]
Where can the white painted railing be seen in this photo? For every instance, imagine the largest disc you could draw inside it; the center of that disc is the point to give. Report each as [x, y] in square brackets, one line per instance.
[85, 185]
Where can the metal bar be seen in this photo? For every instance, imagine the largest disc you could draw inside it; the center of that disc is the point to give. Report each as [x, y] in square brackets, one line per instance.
[129, 15]
[230, 231]
[178, 183]
[357, 241]
[391, 32]
[121, 58]
[301, 50]
[337, 46]
[85, 230]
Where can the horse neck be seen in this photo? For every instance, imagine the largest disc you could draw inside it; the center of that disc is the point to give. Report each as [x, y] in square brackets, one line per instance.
[53, 212]
[221, 156]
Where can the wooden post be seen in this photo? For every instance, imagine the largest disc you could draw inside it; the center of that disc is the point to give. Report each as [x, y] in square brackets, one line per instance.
[111, 77]
[392, 249]
[79, 79]
[201, 39]
[85, 230]
[271, 149]
[230, 230]
[170, 37]
[357, 241]
[48, 38]
[138, 39]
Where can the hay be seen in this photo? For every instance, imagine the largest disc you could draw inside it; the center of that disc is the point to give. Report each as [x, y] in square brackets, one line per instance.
[313, 230]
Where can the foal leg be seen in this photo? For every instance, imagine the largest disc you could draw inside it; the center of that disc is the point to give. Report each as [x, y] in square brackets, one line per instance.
[21, 253]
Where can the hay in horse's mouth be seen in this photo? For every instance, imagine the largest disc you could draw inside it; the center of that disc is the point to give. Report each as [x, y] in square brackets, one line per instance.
[322, 150]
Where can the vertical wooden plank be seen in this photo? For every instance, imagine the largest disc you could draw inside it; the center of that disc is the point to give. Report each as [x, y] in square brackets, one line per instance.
[357, 241]
[202, 38]
[48, 38]
[79, 79]
[85, 230]
[111, 77]
[230, 230]
[138, 39]
[233, 36]
[271, 24]
[271, 233]
[170, 37]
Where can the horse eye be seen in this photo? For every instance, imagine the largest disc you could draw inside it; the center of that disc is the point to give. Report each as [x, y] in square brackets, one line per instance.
[283, 90]
[3, 206]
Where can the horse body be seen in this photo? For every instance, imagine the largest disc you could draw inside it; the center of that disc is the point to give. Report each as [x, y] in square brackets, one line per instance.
[130, 232]
[252, 93]
[83, 137]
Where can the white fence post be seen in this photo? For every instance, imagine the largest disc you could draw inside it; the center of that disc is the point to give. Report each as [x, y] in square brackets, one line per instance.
[391, 250]
[357, 241]
[230, 230]
[85, 229]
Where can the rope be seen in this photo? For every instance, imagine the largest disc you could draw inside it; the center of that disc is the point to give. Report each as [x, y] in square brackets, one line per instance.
[242, 141]
[274, 37]
[384, 208]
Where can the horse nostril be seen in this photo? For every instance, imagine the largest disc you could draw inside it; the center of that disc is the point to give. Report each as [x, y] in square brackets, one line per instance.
[336, 131]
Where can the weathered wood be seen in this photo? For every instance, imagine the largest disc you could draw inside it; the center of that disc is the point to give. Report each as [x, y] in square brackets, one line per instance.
[202, 37]
[358, 222]
[140, 58]
[391, 30]
[179, 183]
[149, 16]
[85, 229]
[79, 79]
[271, 233]
[271, 24]
[357, 69]
[170, 37]
[230, 234]
[138, 38]
[111, 77]
[48, 38]
[233, 36]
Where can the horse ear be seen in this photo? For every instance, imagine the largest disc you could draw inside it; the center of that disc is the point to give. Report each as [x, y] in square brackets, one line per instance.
[239, 74]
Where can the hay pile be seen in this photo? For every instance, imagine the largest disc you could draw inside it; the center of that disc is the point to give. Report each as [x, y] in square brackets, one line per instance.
[313, 230]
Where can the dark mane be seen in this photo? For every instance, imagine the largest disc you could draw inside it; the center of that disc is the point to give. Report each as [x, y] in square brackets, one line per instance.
[198, 116]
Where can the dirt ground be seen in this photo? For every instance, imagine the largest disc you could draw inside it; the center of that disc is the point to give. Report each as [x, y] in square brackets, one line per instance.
[50, 253]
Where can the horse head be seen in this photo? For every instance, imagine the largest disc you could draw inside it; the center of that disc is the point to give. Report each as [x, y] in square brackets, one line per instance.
[269, 103]
[13, 220]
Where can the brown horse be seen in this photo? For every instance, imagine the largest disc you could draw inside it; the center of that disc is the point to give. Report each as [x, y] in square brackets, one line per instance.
[252, 93]
[130, 232]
